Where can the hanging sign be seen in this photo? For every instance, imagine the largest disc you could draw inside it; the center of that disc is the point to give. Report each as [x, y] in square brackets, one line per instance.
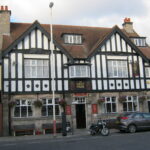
[68, 110]
[94, 109]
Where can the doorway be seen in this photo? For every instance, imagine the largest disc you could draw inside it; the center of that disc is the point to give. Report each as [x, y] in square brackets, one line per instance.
[80, 116]
[148, 106]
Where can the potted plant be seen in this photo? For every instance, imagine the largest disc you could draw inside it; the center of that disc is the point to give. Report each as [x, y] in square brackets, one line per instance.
[122, 99]
[12, 103]
[62, 103]
[101, 100]
[38, 103]
[142, 99]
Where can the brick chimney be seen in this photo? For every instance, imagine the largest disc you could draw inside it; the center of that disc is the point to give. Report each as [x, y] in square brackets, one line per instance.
[4, 20]
[128, 25]
[4, 23]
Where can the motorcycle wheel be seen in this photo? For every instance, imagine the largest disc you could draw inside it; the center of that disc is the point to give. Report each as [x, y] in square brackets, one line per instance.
[105, 132]
[92, 132]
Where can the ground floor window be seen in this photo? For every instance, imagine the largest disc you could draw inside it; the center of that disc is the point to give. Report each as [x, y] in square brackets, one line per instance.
[23, 108]
[131, 104]
[110, 105]
[47, 108]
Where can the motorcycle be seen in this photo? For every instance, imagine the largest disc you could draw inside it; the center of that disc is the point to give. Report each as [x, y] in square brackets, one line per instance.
[99, 128]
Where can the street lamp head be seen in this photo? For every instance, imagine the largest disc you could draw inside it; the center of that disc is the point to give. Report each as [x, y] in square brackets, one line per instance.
[51, 4]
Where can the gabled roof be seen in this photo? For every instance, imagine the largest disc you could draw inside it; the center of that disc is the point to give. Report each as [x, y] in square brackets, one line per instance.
[145, 51]
[90, 35]
[93, 37]
[19, 31]
[115, 29]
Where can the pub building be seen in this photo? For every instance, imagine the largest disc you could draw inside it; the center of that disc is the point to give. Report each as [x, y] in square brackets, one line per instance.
[98, 73]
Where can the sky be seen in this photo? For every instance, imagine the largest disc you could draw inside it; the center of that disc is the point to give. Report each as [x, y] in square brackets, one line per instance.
[100, 13]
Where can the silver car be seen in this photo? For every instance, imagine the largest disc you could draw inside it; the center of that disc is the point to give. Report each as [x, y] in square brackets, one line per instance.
[131, 122]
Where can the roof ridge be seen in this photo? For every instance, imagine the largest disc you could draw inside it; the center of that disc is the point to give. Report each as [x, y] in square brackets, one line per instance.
[64, 25]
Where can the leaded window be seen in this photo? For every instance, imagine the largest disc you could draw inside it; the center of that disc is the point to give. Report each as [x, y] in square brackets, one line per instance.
[147, 72]
[110, 105]
[36, 68]
[23, 108]
[47, 108]
[131, 104]
[117, 68]
[79, 71]
[72, 39]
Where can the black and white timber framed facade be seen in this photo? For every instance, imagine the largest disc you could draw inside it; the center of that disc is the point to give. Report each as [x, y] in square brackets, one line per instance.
[91, 73]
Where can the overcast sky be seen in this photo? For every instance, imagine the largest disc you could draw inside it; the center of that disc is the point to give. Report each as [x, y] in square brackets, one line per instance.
[103, 13]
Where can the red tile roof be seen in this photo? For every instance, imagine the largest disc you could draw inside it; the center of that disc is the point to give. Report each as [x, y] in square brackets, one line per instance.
[92, 37]
[145, 51]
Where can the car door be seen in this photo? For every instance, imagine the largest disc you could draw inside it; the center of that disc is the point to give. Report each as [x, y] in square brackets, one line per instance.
[140, 121]
[147, 118]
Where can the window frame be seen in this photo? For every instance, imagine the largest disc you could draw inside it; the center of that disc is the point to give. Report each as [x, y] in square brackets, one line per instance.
[105, 110]
[130, 99]
[115, 69]
[32, 64]
[138, 41]
[47, 104]
[72, 39]
[77, 71]
[147, 71]
[20, 105]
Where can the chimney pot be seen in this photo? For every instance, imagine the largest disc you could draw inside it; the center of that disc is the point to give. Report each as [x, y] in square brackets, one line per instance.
[127, 20]
[6, 7]
[128, 25]
[2, 7]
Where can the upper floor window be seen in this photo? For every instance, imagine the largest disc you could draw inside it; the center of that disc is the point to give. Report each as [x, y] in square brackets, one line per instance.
[36, 68]
[139, 41]
[23, 108]
[117, 68]
[147, 72]
[47, 108]
[72, 39]
[79, 71]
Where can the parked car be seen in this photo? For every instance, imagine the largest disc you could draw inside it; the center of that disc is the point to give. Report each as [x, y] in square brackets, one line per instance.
[132, 122]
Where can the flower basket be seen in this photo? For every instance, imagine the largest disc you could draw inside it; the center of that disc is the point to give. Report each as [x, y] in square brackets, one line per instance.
[12, 103]
[101, 100]
[62, 103]
[38, 103]
[142, 99]
[122, 99]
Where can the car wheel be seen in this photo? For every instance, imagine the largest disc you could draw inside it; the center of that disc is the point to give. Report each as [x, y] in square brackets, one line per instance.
[132, 128]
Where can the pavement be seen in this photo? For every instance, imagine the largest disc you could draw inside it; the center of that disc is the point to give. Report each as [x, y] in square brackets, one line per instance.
[76, 133]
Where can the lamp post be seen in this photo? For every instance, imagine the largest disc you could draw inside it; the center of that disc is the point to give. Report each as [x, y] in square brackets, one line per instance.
[53, 70]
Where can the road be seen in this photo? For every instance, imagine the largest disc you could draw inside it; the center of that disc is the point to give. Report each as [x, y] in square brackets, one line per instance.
[117, 141]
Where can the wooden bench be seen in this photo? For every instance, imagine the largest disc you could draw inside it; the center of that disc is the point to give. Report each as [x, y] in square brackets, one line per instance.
[24, 129]
[48, 128]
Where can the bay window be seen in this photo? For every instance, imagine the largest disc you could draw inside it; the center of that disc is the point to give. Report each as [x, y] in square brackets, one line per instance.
[79, 71]
[117, 68]
[36, 68]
